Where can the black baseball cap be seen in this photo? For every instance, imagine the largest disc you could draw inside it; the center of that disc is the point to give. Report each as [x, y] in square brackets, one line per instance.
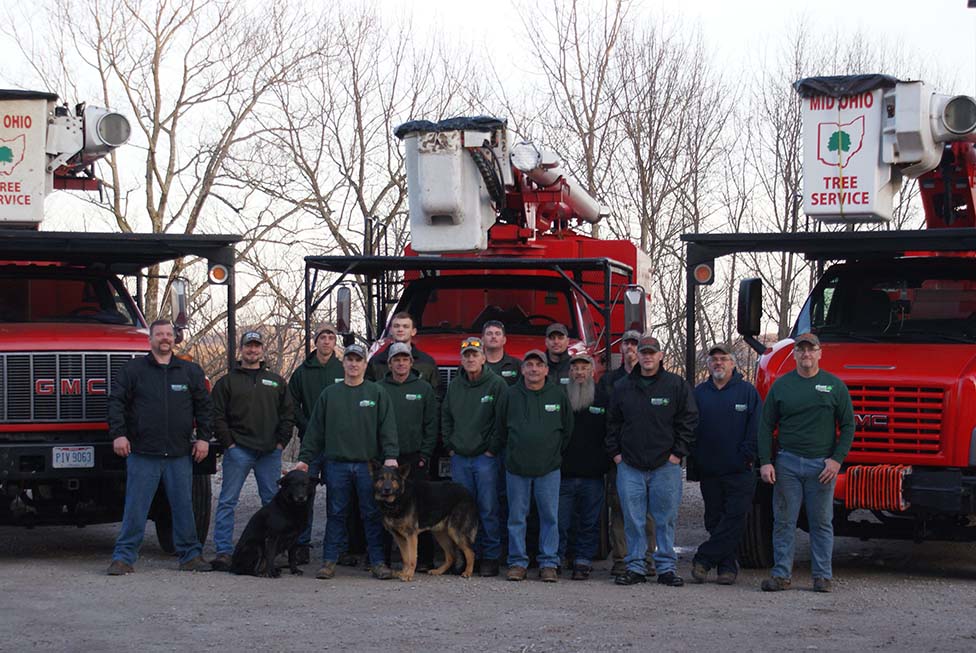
[251, 336]
[557, 327]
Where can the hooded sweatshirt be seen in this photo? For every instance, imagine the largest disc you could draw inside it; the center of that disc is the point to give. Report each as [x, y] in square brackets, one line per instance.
[469, 417]
[728, 421]
[535, 429]
[307, 383]
[416, 413]
[351, 423]
[253, 409]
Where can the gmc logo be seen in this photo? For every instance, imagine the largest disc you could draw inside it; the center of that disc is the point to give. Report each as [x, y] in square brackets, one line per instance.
[869, 422]
[69, 387]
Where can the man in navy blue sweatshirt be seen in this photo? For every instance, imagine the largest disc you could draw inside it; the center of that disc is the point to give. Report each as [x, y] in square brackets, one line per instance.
[724, 452]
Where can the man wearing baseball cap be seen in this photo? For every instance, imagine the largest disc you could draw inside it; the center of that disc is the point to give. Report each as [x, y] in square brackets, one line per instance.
[618, 542]
[724, 453]
[403, 328]
[808, 406]
[534, 429]
[352, 424]
[469, 424]
[650, 431]
[253, 419]
[557, 358]
[417, 419]
[320, 369]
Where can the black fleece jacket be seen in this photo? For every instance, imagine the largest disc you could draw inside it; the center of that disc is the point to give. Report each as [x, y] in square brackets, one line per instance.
[651, 418]
[253, 408]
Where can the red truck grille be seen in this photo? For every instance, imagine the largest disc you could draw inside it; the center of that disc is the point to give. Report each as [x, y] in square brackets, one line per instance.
[898, 419]
[57, 386]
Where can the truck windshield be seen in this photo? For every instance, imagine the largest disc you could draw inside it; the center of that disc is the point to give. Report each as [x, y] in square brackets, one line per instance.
[918, 300]
[462, 304]
[58, 295]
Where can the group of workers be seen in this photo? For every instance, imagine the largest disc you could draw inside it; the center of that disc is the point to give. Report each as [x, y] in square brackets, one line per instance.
[539, 430]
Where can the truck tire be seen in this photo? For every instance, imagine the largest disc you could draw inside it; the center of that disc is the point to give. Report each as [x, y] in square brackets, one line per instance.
[756, 547]
[202, 496]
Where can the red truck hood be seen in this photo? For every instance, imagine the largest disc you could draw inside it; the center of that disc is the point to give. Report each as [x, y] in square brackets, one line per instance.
[85, 336]
[943, 364]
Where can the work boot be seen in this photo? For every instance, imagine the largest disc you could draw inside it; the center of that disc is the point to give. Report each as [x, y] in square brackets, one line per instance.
[119, 568]
[726, 577]
[650, 570]
[670, 579]
[630, 578]
[619, 568]
[775, 584]
[822, 585]
[548, 575]
[581, 572]
[699, 572]
[195, 564]
[348, 560]
[381, 572]
[489, 568]
[303, 554]
[221, 562]
[516, 573]
[327, 572]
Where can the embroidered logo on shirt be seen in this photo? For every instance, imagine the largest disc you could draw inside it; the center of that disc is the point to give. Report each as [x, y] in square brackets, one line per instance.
[596, 410]
[413, 397]
[660, 401]
[487, 399]
[367, 403]
[508, 373]
[179, 387]
[339, 379]
[564, 380]
[552, 408]
[741, 407]
[273, 384]
[823, 388]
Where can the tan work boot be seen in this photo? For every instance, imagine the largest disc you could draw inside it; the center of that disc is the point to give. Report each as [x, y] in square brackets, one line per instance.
[196, 564]
[548, 575]
[327, 572]
[516, 573]
[119, 568]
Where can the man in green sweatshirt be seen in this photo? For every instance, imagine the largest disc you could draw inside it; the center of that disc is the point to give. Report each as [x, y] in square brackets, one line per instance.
[253, 418]
[321, 369]
[351, 424]
[416, 412]
[535, 429]
[474, 400]
[808, 406]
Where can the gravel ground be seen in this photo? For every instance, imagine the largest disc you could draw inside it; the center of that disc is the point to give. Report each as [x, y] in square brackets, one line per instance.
[893, 595]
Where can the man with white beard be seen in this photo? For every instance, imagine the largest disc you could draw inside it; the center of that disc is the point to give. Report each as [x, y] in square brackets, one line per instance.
[584, 464]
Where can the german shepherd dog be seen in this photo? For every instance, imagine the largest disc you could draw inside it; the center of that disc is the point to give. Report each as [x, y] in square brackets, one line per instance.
[275, 528]
[410, 507]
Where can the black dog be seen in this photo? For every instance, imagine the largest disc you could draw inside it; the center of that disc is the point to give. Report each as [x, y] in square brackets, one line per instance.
[275, 528]
[410, 507]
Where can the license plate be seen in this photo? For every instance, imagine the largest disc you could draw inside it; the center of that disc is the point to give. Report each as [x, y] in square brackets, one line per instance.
[66, 457]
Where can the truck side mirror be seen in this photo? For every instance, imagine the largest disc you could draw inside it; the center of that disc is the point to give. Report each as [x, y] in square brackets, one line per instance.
[635, 309]
[749, 314]
[178, 306]
[343, 309]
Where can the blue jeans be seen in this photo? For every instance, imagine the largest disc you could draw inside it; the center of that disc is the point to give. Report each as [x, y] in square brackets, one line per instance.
[545, 489]
[479, 476]
[342, 479]
[797, 484]
[656, 492]
[728, 501]
[238, 462]
[580, 503]
[143, 474]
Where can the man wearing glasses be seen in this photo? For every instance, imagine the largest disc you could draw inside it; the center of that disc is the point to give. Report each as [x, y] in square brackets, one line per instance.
[724, 453]
[809, 406]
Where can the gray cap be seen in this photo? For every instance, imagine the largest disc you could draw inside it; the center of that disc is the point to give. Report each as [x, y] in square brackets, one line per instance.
[535, 353]
[648, 343]
[399, 348]
[586, 358]
[557, 327]
[471, 344]
[720, 346]
[355, 349]
[808, 338]
[251, 336]
[631, 334]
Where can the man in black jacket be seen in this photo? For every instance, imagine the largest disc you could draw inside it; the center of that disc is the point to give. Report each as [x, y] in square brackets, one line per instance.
[253, 418]
[151, 411]
[650, 431]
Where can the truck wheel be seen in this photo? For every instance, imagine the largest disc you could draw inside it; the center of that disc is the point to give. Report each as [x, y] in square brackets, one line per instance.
[202, 495]
[756, 547]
